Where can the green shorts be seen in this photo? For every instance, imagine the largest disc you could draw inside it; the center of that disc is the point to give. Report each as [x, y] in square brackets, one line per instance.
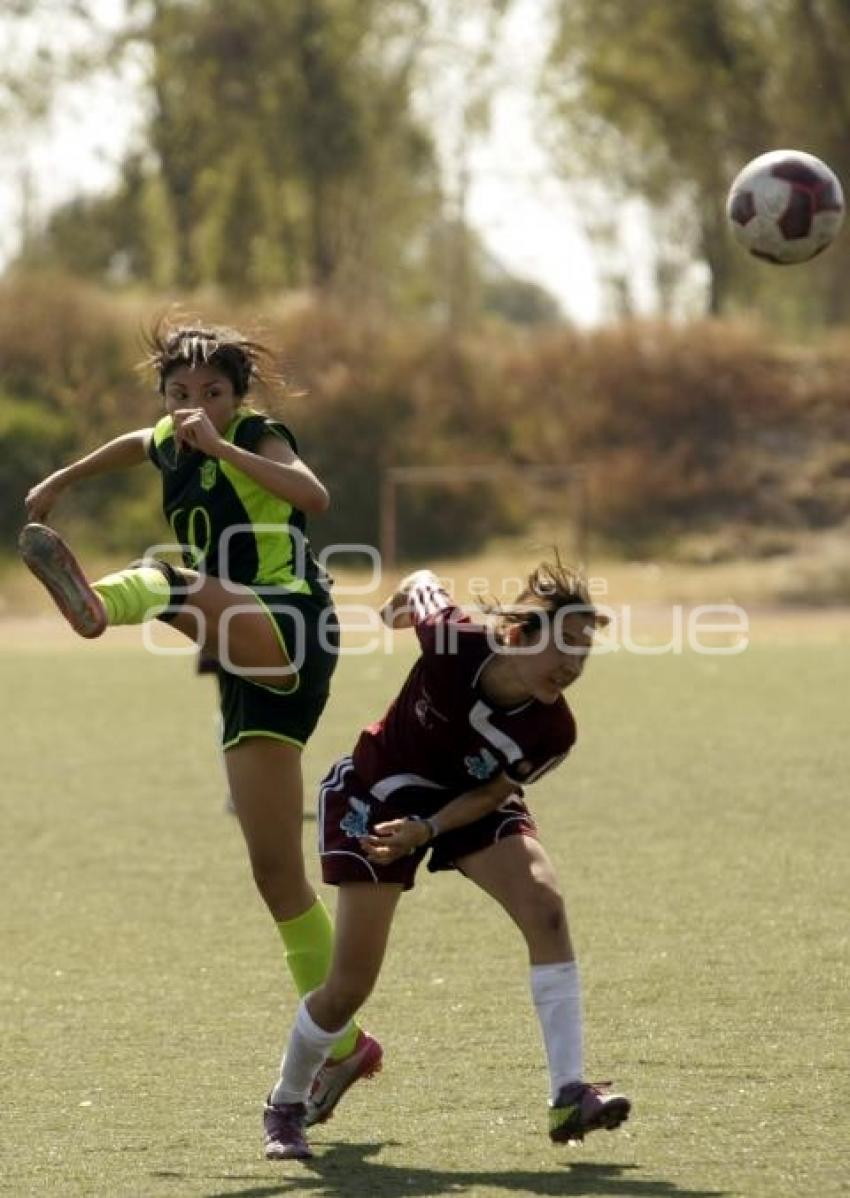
[309, 630]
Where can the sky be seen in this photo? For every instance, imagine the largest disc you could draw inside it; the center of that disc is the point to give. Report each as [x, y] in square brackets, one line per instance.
[83, 140]
[523, 211]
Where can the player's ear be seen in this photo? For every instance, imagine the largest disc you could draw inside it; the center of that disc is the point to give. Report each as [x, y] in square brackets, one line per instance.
[513, 634]
[530, 629]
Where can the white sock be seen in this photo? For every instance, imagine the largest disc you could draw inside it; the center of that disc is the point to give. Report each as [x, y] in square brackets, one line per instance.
[556, 990]
[307, 1048]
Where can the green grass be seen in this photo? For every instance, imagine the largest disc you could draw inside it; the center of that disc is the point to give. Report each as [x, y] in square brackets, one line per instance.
[701, 832]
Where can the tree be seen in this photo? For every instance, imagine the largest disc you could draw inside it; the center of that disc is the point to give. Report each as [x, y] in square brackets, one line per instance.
[30, 71]
[663, 99]
[667, 99]
[281, 150]
[816, 113]
[288, 144]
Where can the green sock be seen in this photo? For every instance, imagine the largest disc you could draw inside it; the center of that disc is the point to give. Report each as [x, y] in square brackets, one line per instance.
[308, 944]
[135, 595]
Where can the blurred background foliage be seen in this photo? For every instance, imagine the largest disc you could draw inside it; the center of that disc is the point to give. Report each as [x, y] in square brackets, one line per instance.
[667, 99]
[285, 170]
[707, 426]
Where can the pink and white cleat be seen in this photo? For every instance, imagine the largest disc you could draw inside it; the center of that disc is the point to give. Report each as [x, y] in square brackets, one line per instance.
[333, 1078]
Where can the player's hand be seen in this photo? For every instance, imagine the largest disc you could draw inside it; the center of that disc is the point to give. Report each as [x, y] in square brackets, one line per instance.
[396, 611]
[393, 839]
[193, 429]
[42, 497]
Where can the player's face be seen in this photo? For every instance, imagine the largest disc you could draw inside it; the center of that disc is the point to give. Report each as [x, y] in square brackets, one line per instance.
[554, 660]
[202, 387]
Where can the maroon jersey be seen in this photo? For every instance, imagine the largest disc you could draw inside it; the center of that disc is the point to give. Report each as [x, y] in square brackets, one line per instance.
[441, 732]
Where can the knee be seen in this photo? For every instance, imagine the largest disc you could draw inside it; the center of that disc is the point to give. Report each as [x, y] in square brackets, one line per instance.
[543, 912]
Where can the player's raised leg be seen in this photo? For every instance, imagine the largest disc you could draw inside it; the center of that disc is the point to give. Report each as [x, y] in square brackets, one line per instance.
[203, 608]
[517, 872]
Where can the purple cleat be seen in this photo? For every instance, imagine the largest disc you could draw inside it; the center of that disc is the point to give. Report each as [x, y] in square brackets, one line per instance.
[582, 1107]
[283, 1126]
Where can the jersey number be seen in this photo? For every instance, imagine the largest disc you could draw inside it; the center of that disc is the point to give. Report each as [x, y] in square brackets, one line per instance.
[193, 529]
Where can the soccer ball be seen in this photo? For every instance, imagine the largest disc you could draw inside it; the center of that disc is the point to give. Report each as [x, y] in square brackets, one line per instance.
[785, 206]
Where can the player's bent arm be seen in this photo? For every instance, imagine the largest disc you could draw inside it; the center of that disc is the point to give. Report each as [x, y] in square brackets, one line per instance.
[397, 837]
[279, 471]
[130, 449]
[472, 805]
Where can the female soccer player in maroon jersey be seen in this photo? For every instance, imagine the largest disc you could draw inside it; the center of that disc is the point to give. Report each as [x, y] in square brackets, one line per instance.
[480, 715]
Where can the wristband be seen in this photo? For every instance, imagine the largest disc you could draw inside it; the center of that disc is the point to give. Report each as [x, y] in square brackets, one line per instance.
[432, 825]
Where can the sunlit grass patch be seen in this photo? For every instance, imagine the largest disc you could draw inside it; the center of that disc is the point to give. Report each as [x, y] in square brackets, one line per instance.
[700, 831]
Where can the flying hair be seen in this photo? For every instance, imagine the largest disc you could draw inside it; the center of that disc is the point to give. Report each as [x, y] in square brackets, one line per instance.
[551, 588]
[242, 360]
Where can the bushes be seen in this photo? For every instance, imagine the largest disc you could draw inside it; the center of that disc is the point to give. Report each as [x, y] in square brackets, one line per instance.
[680, 427]
[32, 439]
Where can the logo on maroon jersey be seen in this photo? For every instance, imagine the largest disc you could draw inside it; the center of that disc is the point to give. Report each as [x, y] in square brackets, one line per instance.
[483, 766]
[425, 708]
[356, 823]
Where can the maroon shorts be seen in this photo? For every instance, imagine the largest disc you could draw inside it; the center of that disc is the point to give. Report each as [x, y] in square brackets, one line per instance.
[348, 810]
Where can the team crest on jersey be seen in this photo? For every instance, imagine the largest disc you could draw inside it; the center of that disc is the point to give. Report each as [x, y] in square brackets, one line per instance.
[425, 709]
[356, 823]
[483, 766]
[208, 474]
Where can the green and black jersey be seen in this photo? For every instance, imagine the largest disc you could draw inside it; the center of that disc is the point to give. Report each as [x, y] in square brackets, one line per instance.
[229, 526]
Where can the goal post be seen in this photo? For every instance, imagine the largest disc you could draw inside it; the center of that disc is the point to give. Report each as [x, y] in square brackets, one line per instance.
[571, 480]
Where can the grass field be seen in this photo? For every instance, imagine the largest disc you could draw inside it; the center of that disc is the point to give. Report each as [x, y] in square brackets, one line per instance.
[701, 831]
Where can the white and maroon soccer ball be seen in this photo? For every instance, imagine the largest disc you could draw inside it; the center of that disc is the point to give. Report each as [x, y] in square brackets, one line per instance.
[785, 206]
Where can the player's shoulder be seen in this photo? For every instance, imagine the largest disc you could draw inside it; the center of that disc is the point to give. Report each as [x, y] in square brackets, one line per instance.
[551, 724]
[562, 722]
[158, 436]
[162, 430]
[251, 427]
[547, 736]
[456, 649]
[453, 645]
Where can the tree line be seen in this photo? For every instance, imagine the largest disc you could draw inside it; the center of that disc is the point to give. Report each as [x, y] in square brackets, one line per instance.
[714, 427]
[668, 99]
[283, 146]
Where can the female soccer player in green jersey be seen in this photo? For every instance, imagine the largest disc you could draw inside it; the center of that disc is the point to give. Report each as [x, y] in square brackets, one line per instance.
[250, 593]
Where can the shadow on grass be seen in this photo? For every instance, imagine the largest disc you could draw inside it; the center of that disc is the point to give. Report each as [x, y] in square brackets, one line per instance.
[345, 1170]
